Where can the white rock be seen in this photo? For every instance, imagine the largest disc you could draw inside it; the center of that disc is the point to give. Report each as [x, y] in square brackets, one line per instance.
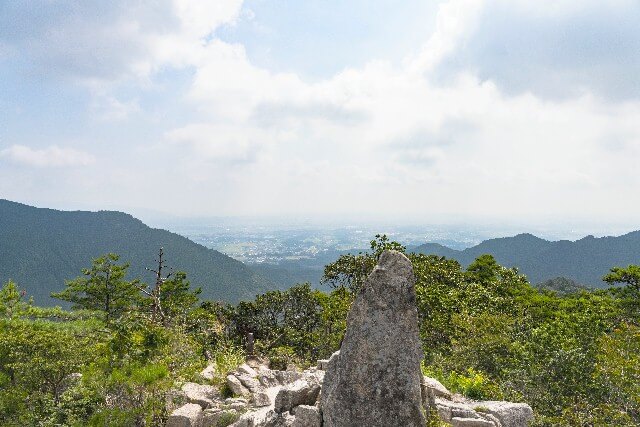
[203, 395]
[268, 379]
[436, 388]
[287, 377]
[189, 415]
[238, 406]
[510, 414]
[448, 410]
[249, 382]
[246, 369]
[209, 372]
[236, 386]
[260, 419]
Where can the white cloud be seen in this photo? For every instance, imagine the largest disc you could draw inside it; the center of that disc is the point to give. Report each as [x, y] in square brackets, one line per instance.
[447, 130]
[561, 49]
[106, 42]
[52, 156]
[107, 107]
[218, 142]
[477, 148]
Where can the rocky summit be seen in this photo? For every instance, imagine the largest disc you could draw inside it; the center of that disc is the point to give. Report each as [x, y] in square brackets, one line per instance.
[375, 379]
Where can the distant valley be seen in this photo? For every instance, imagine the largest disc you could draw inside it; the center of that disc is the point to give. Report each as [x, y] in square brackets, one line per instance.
[41, 248]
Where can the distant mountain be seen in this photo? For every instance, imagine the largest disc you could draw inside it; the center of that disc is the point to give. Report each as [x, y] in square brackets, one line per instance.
[584, 261]
[41, 248]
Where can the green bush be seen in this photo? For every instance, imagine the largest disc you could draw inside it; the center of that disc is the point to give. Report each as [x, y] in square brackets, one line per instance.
[473, 384]
[227, 359]
[227, 419]
[281, 357]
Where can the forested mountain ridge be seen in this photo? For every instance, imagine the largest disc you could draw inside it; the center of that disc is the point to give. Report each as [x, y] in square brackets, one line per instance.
[41, 248]
[585, 261]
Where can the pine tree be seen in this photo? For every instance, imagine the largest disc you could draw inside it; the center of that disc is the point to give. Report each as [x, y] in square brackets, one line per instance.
[102, 287]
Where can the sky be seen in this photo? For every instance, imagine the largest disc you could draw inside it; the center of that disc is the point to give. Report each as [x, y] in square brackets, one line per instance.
[514, 110]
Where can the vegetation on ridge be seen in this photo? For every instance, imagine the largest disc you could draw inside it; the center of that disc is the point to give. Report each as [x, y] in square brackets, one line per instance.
[584, 261]
[485, 332]
[41, 248]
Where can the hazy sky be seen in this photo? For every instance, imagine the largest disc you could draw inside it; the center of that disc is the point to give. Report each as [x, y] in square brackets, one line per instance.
[460, 108]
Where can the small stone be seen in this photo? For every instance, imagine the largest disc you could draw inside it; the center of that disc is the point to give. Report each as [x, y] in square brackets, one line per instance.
[236, 386]
[307, 416]
[203, 395]
[259, 419]
[246, 369]
[238, 406]
[268, 379]
[287, 377]
[209, 372]
[249, 382]
[189, 415]
[436, 388]
[261, 399]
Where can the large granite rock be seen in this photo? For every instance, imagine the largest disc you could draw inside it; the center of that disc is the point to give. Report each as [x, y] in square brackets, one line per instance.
[375, 379]
[301, 392]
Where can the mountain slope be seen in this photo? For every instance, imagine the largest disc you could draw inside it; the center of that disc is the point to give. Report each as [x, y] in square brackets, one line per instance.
[584, 261]
[41, 248]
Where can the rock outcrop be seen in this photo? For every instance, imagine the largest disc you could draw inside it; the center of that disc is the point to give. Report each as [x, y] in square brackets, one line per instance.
[375, 380]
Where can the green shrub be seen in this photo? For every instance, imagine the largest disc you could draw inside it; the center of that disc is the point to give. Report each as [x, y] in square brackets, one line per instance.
[227, 359]
[227, 419]
[473, 384]
[281, 357]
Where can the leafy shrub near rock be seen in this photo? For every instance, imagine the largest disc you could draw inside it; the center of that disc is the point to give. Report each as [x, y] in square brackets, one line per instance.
[227, 419]
[226, 358]
[282, 357]
[433, 420]
[474, 385]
